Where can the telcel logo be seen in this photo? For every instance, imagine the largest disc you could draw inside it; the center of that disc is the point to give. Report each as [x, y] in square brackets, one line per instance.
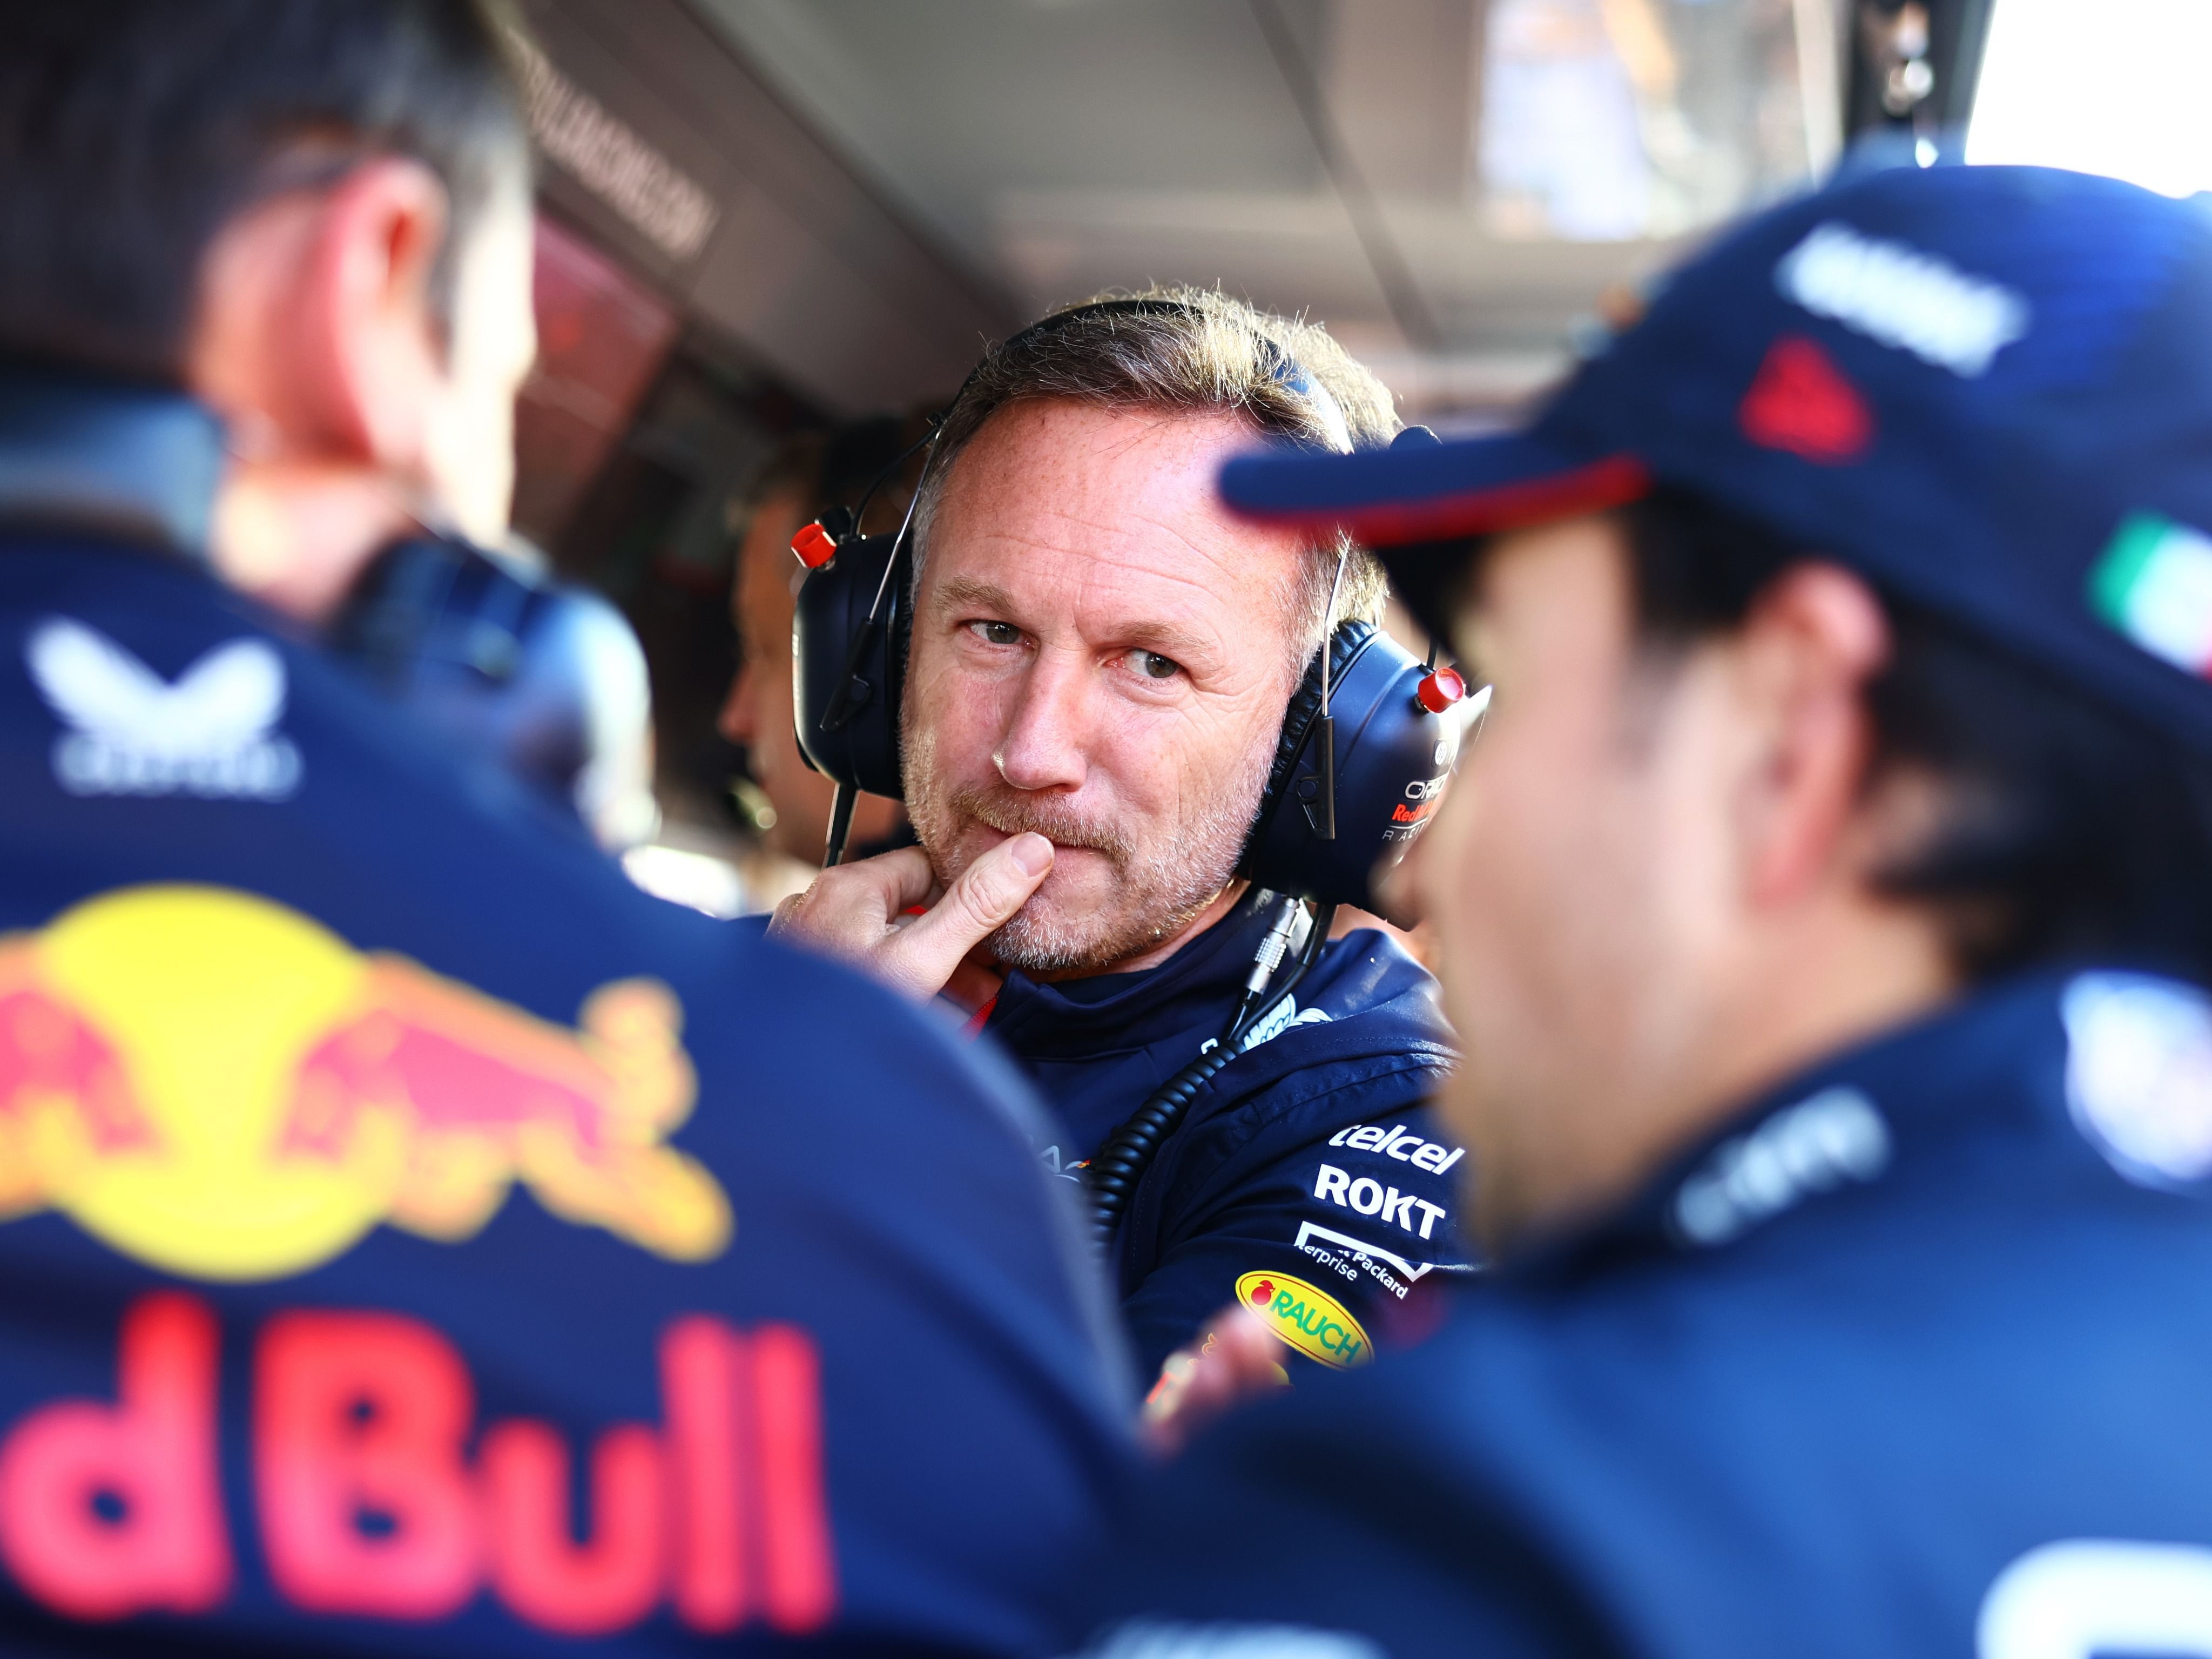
[1310, 1321]
[1401, 1143]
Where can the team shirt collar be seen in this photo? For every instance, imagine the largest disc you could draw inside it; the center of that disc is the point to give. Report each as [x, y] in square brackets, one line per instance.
[136, 464]
[1079, 1019]
[1845, 1126]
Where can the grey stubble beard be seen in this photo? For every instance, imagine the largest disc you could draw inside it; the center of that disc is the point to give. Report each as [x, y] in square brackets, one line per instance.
[1158, 891]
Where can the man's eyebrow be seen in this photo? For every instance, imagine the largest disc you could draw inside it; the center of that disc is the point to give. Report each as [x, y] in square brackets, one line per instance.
[966, 593]
[1168, 641]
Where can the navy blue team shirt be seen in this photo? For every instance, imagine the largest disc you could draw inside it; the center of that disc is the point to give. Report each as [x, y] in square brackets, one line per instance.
[413, 1239]
[1307, 1180]
[1910, 1359]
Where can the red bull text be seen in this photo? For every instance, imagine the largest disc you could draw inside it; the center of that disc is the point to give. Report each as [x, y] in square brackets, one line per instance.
[368, 1501]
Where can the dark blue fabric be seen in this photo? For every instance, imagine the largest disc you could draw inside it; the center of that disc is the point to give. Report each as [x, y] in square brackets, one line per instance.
[1881, 1384]
[1363, 1043]
[881, 1171]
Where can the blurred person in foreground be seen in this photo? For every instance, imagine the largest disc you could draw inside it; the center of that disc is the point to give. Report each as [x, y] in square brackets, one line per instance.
[1102, 664]
[1826, 910]
[417, 1239]
[804, 477]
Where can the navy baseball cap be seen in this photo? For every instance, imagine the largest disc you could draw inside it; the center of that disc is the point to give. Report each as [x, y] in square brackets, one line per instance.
[1988, 390]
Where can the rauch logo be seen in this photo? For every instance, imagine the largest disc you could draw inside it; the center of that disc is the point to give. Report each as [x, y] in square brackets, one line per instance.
[1310, 1320]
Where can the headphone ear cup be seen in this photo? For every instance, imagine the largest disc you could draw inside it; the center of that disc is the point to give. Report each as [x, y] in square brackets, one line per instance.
[848, 675]
[1392, 758]
[1304, 708]
[546, 680]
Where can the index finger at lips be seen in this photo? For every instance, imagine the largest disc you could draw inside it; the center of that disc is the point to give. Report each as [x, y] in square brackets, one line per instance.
[902, 878]
[1237, 1361]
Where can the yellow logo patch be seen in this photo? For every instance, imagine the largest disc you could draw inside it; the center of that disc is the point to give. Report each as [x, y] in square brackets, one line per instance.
[221, 1087]
[1311, 1321]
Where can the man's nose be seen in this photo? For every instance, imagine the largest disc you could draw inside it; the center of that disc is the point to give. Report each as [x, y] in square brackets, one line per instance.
[736, 720]
[1397, 888]
[1043, 745]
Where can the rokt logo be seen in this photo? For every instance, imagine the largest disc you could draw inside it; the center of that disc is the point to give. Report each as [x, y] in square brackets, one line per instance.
[217, 1085]
[368, 1506]
[1370, 1197]
[1310, 1321]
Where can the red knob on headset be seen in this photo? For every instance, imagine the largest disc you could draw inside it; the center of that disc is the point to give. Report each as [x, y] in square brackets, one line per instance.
[814, 546]
[1442, 689]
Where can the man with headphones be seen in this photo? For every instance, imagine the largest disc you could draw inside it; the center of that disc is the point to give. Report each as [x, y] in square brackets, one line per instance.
[413, 1238]
[1136, 736]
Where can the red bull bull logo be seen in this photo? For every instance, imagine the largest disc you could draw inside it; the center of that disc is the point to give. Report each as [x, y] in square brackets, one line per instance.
[216, 1084]
[368, 1502]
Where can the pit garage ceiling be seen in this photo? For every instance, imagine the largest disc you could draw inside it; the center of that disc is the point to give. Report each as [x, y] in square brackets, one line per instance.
[1451, 184]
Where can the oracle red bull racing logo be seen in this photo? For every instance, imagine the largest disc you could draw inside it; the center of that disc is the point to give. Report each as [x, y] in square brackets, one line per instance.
[216, 1084]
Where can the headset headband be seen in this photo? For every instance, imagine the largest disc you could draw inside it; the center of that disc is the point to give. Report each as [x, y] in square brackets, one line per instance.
[1287, 371]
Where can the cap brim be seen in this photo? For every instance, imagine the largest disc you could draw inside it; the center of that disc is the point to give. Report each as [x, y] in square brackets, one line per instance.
[1419, 505]
[1430, 491]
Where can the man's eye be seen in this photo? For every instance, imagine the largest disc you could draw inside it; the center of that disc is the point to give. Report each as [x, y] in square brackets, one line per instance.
[1154, 666]
[997, 632]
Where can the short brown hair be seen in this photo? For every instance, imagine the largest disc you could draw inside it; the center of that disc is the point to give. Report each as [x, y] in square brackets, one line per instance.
[824, 468]
[1190, 351]
[131, 130]
[2069, 832]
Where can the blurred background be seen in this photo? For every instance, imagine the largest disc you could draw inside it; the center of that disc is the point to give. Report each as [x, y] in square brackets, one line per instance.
[760, 218]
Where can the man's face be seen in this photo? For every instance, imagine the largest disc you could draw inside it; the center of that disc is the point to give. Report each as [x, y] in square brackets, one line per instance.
[757, 713]
[1103, 655]
[357, 411]
[491, 341]
[1577, 877]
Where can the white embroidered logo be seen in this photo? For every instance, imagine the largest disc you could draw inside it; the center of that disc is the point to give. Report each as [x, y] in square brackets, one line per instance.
[1285, 1016]
[1281, 1020]
[133, 734]
[1811, 1147]
[1899, 296]
[1151, 1641]
[2139, 1074]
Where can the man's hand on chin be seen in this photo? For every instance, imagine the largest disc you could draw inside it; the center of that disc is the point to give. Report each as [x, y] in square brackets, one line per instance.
[858, 912]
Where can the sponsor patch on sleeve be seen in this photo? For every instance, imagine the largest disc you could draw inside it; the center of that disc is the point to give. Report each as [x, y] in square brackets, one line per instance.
[2139, 1075]
[1310, 1320]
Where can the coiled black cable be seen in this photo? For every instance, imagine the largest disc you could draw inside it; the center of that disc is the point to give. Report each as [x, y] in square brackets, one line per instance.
[1119, 1163]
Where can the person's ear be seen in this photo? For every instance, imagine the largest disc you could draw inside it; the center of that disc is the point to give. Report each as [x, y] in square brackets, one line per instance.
[1812, 640]
[372, 346]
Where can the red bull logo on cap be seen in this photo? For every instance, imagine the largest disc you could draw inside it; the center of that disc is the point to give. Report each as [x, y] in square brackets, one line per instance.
[216, 1084]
